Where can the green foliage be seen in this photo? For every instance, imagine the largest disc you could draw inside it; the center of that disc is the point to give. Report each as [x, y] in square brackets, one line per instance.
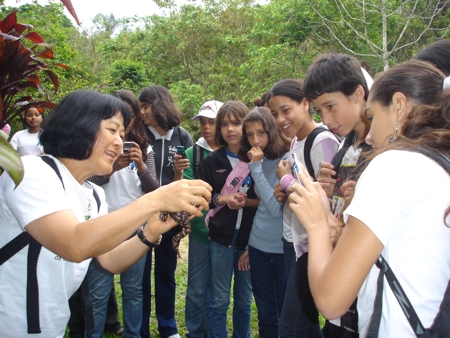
[190, 98]
[380, 32]
[127, 74]
[10, 161]
[21, 66]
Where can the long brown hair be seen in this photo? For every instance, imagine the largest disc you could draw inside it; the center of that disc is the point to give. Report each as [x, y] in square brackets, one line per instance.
[278, 144]
[164, 109]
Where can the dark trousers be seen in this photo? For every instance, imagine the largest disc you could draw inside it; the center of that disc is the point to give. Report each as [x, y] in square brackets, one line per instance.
[299, 316]
[165, 266]
[77, 310]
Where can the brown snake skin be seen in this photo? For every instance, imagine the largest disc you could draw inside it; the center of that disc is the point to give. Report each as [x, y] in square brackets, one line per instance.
[181, 218]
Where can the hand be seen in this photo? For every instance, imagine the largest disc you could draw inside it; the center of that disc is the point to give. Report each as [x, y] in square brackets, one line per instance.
[325, 178]
[121, 162]
[180, 163]
[348, 190]
[155, 227]
[244, 261]
[280, 194]
[237, 201]
[135, 154]
[255, 154]
[284, 168]
[183, 195]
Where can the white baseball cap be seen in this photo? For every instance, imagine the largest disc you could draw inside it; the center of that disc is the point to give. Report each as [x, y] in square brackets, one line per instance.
[208, 109]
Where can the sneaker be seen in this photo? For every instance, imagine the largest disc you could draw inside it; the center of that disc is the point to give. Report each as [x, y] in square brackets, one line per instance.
[176, 335]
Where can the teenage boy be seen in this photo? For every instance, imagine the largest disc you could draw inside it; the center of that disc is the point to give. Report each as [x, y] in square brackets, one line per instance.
[337, 89]
[197, 293]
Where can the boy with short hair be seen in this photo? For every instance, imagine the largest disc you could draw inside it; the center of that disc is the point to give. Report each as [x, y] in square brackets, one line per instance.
[337, 88]
[197, 293]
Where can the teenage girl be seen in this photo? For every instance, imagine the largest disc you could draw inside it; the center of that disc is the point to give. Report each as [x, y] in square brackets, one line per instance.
[299, 316]
[230, 227]
[26, 142]
[133, 176]
[400, 204]
[264, 145]
[162, 117]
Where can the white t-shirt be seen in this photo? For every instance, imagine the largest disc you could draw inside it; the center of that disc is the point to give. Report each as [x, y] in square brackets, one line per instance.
[402, 197]
[124, 186]
[39, 194]
[26, 143]
[323, 149]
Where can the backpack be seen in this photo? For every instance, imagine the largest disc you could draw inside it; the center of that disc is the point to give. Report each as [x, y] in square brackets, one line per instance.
[307, 149]
[198, 154]
[337, 158]
[441, 324]
[440, 328]
[34, 249]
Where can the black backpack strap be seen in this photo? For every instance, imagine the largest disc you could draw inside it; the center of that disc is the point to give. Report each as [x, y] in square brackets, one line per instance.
[184, 136]
[34, 250]
[14, 246]
[402, 298]
[337, 158]
[198, 158]
[32, 287]
[53, 165]
[307, 149]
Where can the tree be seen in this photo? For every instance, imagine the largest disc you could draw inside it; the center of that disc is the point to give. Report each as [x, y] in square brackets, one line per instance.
[19, 76]
[378, 29]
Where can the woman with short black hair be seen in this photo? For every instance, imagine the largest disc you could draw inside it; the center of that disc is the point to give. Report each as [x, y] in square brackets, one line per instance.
[64, 218]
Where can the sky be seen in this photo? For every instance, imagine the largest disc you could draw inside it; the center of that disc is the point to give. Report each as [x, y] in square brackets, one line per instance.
[87, 9]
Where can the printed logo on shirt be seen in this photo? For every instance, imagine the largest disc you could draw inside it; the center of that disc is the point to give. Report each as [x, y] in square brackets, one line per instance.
[132, 167]
[246, 184]
[172, 150]
[220, 171]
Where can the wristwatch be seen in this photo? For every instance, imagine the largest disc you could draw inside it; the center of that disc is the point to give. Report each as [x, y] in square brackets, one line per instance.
[144, 240]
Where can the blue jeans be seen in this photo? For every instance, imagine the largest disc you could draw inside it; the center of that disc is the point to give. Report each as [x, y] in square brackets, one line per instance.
[198, 289]
[100, 284]
[224, 262]
[299, 316]
[268, 284]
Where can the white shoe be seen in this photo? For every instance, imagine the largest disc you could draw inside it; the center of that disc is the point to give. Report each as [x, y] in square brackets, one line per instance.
[176, 335]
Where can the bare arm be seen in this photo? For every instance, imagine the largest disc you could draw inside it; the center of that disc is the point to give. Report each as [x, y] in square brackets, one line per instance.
[62, 233]
[335, 276]
[127, 253]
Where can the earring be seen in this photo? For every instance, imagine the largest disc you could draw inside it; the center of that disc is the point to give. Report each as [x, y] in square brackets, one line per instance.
[394, 137]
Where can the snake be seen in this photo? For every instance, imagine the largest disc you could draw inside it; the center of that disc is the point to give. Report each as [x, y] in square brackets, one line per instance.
[181, 218]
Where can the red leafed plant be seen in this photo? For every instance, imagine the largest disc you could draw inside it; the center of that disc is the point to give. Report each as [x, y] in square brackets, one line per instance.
[19, 69]
[19, 66]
